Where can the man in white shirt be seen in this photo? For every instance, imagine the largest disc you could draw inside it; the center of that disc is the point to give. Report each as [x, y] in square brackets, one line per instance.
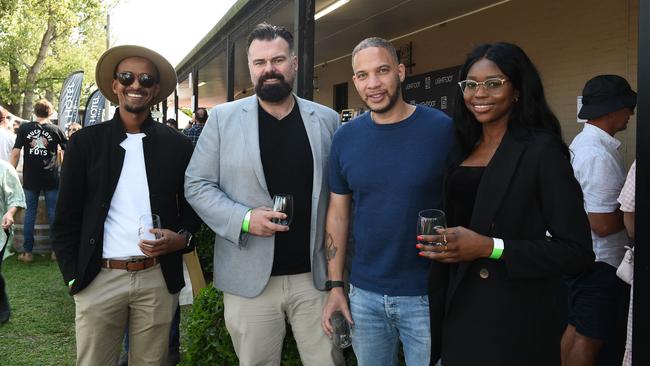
[7, 138]
[608, 103]
[114, 174]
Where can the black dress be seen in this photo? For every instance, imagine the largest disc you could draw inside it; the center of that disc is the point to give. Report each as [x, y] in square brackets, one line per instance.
[461, 187]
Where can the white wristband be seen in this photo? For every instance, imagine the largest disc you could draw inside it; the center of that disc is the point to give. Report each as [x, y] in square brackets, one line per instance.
[497, 249]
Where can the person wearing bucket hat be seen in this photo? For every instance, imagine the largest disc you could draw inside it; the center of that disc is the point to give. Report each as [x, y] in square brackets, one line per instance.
[608, 101]
[604, 94]
[115, 175]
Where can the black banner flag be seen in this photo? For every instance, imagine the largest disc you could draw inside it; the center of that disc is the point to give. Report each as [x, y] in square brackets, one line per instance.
[69, 99]
[94, 109]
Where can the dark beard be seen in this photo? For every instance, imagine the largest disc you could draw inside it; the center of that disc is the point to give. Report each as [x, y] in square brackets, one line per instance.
[275, 92]
[135, 108]
[391, 102]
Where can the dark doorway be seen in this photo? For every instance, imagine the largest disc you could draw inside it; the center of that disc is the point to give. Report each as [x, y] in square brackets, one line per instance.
[641, 330]
[340, 97]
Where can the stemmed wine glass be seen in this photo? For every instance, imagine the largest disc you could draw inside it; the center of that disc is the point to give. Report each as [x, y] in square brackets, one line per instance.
[283, 203]
[429, 222]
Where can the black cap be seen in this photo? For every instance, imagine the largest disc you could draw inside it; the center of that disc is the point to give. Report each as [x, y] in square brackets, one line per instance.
[605, 94]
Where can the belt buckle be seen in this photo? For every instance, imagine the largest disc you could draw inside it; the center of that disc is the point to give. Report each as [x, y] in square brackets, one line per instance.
[134, 260]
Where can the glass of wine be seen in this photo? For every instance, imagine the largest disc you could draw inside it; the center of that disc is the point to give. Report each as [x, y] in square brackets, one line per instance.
[146, 223]
[283, 203]
[429, 222]
[341, 336]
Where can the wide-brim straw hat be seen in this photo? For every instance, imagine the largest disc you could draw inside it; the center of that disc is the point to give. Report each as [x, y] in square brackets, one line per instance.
[108, 62]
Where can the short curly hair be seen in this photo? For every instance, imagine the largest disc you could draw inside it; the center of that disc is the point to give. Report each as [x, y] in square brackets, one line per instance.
[43, 108]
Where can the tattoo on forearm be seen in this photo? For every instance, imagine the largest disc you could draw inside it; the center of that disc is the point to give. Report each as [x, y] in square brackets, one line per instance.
[330, 248]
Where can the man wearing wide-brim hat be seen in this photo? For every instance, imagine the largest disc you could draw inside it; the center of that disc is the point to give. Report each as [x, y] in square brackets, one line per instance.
[608, 101]
[116, 176]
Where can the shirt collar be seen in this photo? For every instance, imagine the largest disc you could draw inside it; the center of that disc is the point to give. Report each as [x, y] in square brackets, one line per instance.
[146, 126]
[602, 136]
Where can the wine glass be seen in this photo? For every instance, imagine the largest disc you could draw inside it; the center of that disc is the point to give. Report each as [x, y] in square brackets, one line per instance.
[341, 335]
[283, 203]
[146, 223]
[429, 222]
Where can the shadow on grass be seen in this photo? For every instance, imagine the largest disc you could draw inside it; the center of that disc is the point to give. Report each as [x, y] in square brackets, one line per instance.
[41, 328]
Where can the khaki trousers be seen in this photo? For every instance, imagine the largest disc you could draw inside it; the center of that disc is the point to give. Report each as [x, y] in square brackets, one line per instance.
[114, 298]
[257, 325]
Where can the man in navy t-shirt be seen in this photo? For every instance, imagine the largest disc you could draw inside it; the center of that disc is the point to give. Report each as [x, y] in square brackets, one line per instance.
[390, 163]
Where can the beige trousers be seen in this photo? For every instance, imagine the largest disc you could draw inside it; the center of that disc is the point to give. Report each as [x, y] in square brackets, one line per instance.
[257, 325]
[114, 298]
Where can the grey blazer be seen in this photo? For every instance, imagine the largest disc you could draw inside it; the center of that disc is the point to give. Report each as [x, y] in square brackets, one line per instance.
[225, 179]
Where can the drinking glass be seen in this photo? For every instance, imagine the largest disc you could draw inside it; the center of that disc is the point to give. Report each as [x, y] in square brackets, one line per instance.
[146, 223]
[283, 203]
[429, 222]
[341, 336]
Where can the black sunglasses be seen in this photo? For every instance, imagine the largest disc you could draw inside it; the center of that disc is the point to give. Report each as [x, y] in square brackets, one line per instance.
[127, 78]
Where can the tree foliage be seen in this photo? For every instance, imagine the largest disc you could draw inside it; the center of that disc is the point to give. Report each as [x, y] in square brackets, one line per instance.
[41, 43]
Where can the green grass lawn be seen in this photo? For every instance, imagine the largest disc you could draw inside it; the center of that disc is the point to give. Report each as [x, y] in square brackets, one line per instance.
[41, 328]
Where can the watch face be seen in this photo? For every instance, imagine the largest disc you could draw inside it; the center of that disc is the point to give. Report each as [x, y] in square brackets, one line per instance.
[188, 236]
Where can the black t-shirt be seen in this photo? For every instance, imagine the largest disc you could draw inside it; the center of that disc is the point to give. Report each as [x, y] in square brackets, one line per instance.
[39, 143]
[289, 169]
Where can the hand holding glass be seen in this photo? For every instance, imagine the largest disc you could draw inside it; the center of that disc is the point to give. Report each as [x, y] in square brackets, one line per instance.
[429, 222]
[283, 203]
[149, 223]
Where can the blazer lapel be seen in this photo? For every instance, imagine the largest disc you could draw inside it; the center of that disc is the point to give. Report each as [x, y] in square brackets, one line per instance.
[312, 126]
[149, 151]
[116, 153]
[491, 191]
[250, 130]
[495, 183]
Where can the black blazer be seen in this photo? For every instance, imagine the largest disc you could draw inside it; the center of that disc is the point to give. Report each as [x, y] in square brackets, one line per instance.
[508, 311]
[91, 170]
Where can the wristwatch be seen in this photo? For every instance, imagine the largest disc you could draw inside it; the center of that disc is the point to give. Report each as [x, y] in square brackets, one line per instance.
[188, 236]
[331, 284]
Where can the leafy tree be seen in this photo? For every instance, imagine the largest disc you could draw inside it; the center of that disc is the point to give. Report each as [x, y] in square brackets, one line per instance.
[41, 43]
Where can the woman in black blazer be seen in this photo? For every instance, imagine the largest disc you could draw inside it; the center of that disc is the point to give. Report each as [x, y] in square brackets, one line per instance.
[516, 221]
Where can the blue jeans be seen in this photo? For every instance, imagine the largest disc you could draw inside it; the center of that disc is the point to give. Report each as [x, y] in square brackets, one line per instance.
[31, 198]
[381, 320]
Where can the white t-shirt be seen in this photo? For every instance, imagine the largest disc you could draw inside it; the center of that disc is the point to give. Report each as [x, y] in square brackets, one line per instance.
[7, 141]
[130, 201]
[598, 167]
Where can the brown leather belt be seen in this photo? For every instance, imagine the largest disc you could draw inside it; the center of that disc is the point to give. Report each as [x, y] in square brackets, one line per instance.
[131, 265]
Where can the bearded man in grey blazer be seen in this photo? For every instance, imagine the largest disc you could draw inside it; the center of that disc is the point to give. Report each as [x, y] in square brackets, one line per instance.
[250, 150]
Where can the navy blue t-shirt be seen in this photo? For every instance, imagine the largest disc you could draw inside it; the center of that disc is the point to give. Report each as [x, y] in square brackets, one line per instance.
[393, 171]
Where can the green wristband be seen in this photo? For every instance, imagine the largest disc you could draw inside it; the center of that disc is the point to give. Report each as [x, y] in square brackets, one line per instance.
[71, 282]
[247, 221]
[497, 249]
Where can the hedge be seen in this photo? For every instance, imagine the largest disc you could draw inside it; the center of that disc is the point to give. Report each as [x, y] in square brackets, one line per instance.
[207, 341]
